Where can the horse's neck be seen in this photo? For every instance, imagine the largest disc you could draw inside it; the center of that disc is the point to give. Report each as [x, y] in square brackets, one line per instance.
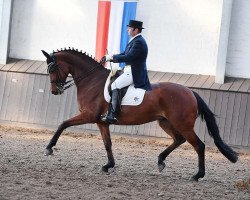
[87, 76]
[91, 89]
[86, 72]
[79, 68]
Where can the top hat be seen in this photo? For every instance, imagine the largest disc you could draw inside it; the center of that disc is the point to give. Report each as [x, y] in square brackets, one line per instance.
[135, 24]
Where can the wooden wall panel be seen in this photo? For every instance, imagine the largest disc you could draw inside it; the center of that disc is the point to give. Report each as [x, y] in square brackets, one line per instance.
[52, 110]
[3, 77]
[28, 98]
[45, 101]
[241, 120]
[39, 106]
[223, 113]
[246, 130]
[34, 99]
[24, 91]
[6, 95]
[235, 119]
[21, 101]
[14, 96]
[229, 117]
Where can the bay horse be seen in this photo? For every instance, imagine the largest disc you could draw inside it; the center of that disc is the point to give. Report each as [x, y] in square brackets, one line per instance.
[174, 106]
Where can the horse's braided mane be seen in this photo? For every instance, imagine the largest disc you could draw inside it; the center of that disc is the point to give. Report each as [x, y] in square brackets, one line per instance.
[80, 53]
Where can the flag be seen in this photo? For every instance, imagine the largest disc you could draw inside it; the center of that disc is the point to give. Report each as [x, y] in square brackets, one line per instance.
[112, 20]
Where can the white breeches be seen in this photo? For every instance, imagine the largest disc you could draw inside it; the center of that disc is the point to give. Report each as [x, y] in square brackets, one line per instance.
[124, 80]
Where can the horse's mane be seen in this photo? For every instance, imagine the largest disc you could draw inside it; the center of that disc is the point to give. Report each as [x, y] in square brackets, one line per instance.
[83, 55]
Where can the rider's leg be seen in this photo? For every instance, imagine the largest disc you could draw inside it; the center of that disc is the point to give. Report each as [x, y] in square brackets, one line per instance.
[124, 80]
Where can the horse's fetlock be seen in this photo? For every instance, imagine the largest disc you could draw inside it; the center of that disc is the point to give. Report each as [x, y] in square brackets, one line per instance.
[161, 158]
[108, 148]
[202, 146]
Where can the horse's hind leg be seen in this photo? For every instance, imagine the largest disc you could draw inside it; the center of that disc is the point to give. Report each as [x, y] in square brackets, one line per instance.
[178, 140]
[199, 147]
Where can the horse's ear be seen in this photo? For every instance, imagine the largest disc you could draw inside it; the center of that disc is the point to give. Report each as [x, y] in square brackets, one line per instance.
[46, 54]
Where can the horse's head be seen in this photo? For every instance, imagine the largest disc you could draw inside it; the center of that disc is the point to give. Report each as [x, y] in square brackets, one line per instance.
[58, 73]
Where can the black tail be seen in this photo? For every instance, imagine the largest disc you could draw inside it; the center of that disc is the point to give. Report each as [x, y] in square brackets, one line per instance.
[213, 130]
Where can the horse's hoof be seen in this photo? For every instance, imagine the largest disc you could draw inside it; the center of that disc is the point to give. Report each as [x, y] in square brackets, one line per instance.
[48, 152]
[198, 175]
[161, 166]
[105, 169]
[194, 179]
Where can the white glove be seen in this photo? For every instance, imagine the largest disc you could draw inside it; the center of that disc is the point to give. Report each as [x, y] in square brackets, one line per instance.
[108, 57]
[114, 69]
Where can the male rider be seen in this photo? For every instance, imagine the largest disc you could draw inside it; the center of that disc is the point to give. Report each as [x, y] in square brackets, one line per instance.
[135, 71]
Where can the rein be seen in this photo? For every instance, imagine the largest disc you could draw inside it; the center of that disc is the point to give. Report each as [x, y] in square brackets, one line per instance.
[78, 79]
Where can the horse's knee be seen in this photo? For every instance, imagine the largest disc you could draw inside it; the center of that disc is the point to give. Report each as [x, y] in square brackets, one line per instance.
[179, 139]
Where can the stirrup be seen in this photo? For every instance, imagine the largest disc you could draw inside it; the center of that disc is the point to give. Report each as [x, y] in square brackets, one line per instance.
[104, 117]
[108, 119]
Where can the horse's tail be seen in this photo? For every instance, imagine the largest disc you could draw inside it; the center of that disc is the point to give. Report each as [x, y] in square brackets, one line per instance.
[205, 113]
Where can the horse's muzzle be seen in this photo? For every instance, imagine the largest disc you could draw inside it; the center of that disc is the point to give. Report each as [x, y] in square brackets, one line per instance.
[56, 92]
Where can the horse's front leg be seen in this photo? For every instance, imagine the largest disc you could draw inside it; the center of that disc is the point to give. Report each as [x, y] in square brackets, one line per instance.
[104, 128]
[77, 120]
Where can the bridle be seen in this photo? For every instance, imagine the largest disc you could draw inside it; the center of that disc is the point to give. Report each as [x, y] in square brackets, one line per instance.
[60, 84]
[53, 67]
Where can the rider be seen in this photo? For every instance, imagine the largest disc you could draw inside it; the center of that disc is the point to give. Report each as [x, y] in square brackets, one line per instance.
[135, 71]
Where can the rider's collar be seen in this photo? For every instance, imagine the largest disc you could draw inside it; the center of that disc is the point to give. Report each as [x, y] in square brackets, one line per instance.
[134, 37]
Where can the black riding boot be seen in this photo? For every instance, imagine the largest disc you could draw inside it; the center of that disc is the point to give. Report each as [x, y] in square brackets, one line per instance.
[114, 107]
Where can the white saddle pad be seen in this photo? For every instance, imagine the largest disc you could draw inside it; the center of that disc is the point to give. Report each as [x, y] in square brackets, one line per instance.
[133, 97]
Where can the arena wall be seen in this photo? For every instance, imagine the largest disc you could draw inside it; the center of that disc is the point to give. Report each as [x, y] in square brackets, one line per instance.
[25, 98]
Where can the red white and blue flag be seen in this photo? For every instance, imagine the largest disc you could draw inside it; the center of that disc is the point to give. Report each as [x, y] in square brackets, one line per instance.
[113, 17]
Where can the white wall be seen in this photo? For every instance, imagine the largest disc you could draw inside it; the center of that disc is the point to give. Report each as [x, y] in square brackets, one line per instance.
[182, 35]
[238, 58]
[1, 13]
[52, 24]
[5, 20]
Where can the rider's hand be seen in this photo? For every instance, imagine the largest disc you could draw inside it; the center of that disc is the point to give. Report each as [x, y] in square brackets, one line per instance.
[109, 58]
[114, 70]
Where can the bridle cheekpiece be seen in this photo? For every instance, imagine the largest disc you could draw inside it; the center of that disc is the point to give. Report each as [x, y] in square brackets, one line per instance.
[54, 67]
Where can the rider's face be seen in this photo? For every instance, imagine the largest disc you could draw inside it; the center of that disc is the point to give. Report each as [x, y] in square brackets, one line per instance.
[132, 31]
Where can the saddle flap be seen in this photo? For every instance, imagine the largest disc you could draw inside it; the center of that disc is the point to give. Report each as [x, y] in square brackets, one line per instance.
[133, 97]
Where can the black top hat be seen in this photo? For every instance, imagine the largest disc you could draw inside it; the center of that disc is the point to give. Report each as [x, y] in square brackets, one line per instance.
[135, 24]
